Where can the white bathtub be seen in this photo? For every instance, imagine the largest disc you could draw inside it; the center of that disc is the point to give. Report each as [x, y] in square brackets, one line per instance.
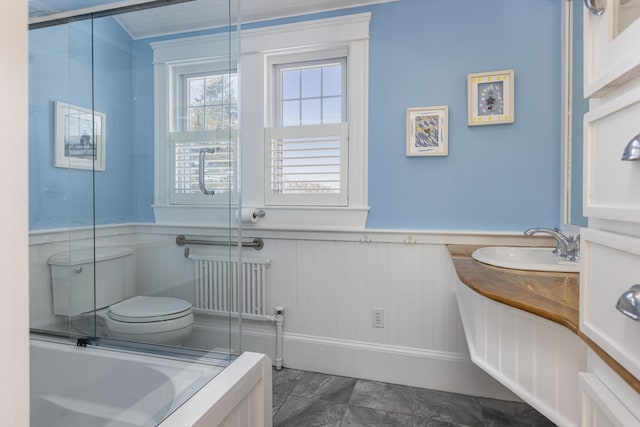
[75, 386]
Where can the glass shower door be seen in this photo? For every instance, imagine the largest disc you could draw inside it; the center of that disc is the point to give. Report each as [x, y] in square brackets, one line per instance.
[98, 155]
[62, 128]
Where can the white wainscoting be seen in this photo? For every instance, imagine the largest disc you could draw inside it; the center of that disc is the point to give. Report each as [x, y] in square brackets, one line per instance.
[328, 282]
[537, 359]
[239, 396]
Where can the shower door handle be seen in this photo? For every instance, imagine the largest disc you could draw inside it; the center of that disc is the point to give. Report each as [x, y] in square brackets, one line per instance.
[593, 8]
[203, 187]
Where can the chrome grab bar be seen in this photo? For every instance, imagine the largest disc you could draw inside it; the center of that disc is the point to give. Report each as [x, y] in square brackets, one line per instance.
[591, 5]
[203, 187]
[256, 243]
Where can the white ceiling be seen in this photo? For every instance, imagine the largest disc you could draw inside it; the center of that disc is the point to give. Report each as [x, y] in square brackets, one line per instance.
[204, 14]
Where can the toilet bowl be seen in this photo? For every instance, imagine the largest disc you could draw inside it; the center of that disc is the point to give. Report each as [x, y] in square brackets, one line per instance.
[159, 320]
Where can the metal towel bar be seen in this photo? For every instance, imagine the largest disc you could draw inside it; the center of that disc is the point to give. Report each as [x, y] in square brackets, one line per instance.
[256, 243]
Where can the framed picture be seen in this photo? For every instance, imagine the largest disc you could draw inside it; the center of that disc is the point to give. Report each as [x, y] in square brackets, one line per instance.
[427, 131]
[490, 98]
[79, 138]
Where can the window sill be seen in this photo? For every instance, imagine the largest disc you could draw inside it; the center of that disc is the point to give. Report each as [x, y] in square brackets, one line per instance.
[282, 217]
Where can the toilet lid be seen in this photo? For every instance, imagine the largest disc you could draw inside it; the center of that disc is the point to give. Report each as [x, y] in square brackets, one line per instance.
[149, 309]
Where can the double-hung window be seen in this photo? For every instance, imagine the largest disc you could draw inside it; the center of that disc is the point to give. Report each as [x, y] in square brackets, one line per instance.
[202, 148]
[306, 159]
[303, 91]
[195, 128]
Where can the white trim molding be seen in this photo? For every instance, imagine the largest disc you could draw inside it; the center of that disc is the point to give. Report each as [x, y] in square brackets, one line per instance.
[263, 47]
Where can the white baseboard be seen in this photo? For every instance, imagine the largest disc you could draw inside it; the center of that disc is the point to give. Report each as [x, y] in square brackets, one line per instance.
[414, 367]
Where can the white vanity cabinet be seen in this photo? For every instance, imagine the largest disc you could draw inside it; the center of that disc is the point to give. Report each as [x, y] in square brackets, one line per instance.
[611, 245]
[612, 44]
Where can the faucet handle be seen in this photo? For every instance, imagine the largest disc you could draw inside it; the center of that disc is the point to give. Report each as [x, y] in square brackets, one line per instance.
[558, 249]
[575, 255]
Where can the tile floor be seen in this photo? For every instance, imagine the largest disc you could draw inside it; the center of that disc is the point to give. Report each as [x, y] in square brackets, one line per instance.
[303, 399]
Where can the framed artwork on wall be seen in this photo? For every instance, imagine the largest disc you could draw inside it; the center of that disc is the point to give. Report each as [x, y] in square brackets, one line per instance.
[490, 98]
[427, 131]
[79, 138]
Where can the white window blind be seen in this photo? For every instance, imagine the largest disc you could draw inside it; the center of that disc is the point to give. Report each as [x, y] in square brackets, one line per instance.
[218, 166]
[306, 165]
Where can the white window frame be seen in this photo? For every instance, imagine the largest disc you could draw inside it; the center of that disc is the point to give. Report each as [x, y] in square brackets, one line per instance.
[296, 62]
[260, 47]
[277, 130]
[174, 60]
[345, 36]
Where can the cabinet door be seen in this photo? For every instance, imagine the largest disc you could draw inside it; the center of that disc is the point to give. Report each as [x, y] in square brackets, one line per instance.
[610, 184]
[612, 50]
[599, 406]
[610, 264]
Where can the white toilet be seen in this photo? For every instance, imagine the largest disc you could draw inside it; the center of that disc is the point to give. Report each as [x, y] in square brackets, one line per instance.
[159, 320]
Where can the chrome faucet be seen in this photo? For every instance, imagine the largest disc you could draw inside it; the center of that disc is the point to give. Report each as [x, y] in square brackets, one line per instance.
[566, 247]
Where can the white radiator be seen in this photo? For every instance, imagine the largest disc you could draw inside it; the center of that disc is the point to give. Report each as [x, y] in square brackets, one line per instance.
[217, 289]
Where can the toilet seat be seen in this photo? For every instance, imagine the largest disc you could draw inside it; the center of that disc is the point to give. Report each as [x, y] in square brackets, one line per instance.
[141, 317]
[141, 309]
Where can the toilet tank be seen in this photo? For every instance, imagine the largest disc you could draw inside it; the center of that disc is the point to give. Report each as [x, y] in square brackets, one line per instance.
[72, 278]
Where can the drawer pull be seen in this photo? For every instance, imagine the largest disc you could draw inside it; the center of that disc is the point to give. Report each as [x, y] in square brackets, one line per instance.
[591, 5]
[629, 303]
[632, 149]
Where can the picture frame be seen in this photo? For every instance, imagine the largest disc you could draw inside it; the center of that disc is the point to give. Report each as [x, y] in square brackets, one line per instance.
[490, 98]
[428, 131]
[79, 137]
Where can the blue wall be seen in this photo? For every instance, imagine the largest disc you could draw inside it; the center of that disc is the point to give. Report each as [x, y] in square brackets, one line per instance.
[60, 70]
[502, 177]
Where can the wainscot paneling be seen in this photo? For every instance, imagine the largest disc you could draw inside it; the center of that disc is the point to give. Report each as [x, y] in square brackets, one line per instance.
[535, 358]
[328, 282]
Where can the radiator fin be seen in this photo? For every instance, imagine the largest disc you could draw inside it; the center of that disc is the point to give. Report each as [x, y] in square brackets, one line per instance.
[217, 285]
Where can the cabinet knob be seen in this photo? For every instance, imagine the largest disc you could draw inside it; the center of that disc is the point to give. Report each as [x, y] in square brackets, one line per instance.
[632, 149]
[591, 5]
[629, 303]
[78, 270]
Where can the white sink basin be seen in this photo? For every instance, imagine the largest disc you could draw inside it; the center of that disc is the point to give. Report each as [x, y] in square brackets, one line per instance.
[537, 259]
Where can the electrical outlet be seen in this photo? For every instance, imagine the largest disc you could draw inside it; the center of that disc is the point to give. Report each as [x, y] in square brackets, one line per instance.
[377, 317]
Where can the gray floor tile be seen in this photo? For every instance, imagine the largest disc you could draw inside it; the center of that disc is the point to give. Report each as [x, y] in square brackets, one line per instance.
[383, 396]
[325, 387]
[357, 416]
[498, 413]
[446, 407]
[427, 421]
[277, 401]
[285, 380]
[312, 399]
[301, 412]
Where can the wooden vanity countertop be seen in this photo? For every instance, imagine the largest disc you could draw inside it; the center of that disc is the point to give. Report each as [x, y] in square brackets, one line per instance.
[552, 295]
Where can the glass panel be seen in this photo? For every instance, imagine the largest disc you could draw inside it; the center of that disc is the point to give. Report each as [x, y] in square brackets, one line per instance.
[290, 113]
[196, 92]
[311, 112]
[91, 149]
[61, 159]
[331, 110]
[626, 12]
[311, 82]
[291, 84]
[214, 117]
[215, 90]
[332, 80]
